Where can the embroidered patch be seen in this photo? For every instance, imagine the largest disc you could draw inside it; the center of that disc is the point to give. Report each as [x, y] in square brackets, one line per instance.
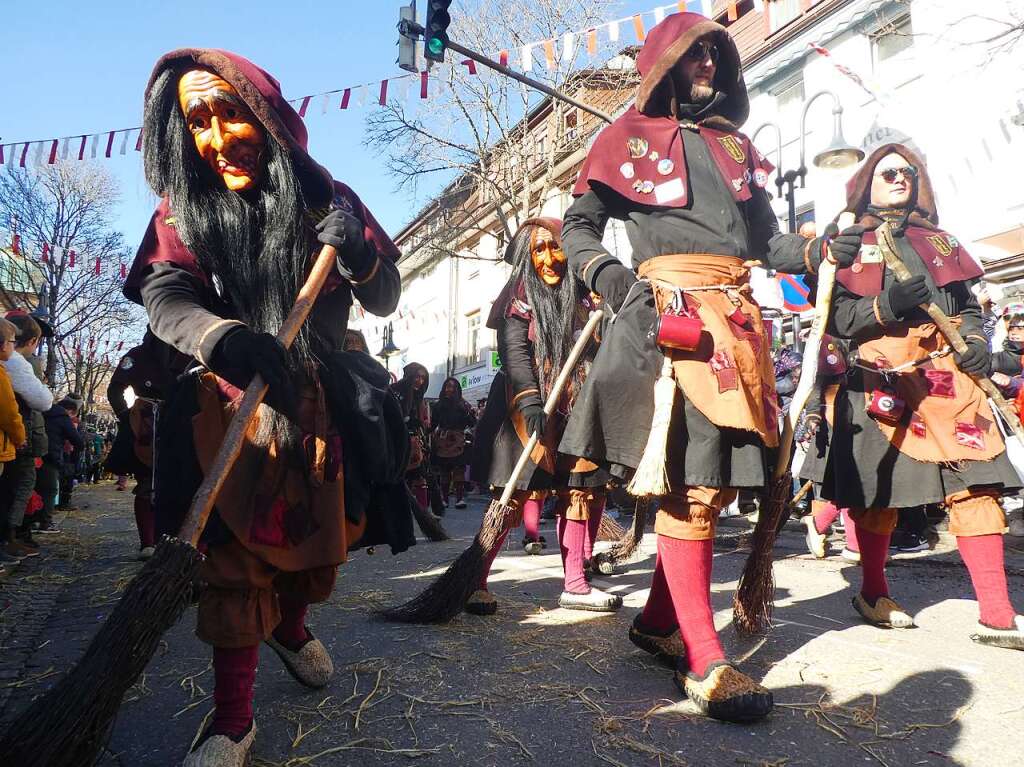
[669, 191]
[969, 435]
[735, 149]
[941, 244]
[725, 371]
[917, 427]
[637, 147]
[939, 382]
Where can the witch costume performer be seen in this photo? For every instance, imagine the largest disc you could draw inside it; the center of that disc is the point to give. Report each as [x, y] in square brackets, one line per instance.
[243, 211]
[450, 417]
[538, 316]
[690, 189]
[911, 427]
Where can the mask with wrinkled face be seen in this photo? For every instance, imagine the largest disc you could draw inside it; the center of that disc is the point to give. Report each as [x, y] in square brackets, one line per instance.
[548, 259]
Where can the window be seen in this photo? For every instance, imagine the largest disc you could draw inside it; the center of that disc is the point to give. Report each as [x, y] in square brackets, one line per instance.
[472, 337]
[571, 130]
[892, 39]
[780, 13]
[789, 103]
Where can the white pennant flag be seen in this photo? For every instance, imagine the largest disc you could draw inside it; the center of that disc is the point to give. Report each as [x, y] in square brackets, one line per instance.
[124, 142]
[759, 6]
[705, 7]
[64, 149]
[403, 89]
[58, 252]
[527, 58]
[568, 46]
[659, 15]
[361, 96]
[95, 144]
[613, 31]
[37, 158]
[12, 154]
[326, 102]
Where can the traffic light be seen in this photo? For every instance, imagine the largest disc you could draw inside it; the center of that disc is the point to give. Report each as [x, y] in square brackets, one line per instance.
[406, 38]
[435, 34]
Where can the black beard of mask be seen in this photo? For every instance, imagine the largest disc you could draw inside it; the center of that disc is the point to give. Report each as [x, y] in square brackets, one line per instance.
[257, 243]
[557, 314]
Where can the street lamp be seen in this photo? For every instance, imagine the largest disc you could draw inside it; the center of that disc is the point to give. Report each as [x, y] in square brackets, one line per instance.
[388, 350]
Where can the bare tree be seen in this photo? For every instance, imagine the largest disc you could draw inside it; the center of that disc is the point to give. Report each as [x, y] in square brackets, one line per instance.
[495, 137]
[70, 207]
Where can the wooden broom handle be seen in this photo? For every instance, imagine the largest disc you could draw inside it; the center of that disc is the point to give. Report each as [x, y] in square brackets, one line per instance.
[552, 402]
[809, 366]
[887, 245]
[234, 438]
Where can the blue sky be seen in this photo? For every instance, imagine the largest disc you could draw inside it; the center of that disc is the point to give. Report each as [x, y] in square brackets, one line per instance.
[73, 68]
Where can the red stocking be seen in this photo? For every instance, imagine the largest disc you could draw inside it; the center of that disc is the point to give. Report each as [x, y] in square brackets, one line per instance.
[291, 631]
[234, 673]
[851, 531]
[874, 550]
[144, 521]
[572, 537]
[531, 519]
[824, 517]
[593, 523]
[659, 613]
[489, 558]
[983, 555]
[687, 566]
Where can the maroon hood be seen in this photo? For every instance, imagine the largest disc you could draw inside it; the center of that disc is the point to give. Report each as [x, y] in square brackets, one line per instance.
[262, 94]
[664, 47]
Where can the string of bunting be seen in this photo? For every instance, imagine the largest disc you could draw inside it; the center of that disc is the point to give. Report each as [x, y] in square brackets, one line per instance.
[62, 257]
[524, 57]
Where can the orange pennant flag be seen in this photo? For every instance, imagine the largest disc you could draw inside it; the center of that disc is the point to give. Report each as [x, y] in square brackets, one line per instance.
[638, 27]
[592, 42]
[549, 53]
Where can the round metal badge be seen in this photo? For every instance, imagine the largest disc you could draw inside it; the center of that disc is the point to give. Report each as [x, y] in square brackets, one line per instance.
[666, 166]
[627, 170]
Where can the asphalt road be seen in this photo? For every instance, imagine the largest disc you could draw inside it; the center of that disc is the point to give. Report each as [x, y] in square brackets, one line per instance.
[536, 684]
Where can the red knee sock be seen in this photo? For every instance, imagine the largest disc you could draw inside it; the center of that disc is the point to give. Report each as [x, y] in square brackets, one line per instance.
[572, 536]
[824, 517]
[489, 558]
[659, 614]
[422, 496]
[874, 550]
[234, 673]
[687, 566]
[983, 555]
[291, 631]
[593, 523]
[531, 519]
[144, 521]
[851, 531]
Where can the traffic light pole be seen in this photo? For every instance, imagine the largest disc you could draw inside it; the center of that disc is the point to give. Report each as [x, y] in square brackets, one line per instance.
[416, 29]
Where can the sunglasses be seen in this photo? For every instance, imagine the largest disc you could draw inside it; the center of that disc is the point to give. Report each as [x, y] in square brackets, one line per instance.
[909, 173]
[700, 51]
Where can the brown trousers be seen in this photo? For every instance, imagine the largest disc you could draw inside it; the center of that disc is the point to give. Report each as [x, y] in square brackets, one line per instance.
[238, 604]
[971, 512]
[692, 515]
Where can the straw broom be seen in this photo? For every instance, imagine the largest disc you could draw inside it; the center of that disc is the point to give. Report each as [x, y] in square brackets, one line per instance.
[651, 476]
[626, 546]
[752, 605]
[445, 597]
[429, 524]
[69, 726]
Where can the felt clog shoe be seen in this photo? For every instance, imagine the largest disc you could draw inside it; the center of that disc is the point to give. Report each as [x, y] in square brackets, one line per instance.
[667, 647]
[725, 693]
[884, 613]
[481, 602]
[223, 751]
[1009, 638]
[311, 664]
[595, 601]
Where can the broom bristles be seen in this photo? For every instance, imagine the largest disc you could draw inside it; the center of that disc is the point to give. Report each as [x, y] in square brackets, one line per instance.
[609, 529]
[650, 477]
[443, 599]
[755, 595]
[627, 545]
[69, 726]
[428, 523]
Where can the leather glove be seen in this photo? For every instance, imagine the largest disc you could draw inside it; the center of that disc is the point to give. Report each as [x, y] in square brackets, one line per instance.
[535, 419]
[345, 232]
[904, 297]
[976, 359]
[843, 245]
[613, 282]
[242, 353]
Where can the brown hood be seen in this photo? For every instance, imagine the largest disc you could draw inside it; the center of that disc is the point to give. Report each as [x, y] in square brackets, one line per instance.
[858, 188]
[262, 94]
[665, 45]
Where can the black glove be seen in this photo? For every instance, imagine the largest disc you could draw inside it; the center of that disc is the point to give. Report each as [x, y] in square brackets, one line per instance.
[904, 297]
[976, 359]
[534, 416]
[613, 282]
[843, 245]
[241, 354]
[345, 232]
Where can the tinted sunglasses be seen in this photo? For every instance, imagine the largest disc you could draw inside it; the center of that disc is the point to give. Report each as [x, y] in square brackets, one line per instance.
[909, 173]
[700, 51]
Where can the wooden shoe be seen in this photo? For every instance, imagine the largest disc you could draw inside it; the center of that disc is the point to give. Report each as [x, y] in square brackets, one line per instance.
[1010, 639]
[310, 665]
[481, 602]
[885, 613]
[816, 542]
[595, 601]
[222, 751]
[666, 647]
[725, 693]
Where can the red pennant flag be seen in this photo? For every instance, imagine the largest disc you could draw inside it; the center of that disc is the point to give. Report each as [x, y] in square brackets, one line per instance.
[383, 98]
[96, 271]
[424, 80]
[71, 260]
[110, 144]
[503, 58]
[470, 65]
[138, 142]
[120, 345]
[53, 153]
[124, 271]
[16, 244]
[24, 154]
[638, 28]
[345, 96]
[1, 154]
[45, 258]
[81, 149]
[304, 105]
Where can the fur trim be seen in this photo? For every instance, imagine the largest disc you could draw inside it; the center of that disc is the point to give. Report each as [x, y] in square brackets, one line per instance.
[858, 188]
